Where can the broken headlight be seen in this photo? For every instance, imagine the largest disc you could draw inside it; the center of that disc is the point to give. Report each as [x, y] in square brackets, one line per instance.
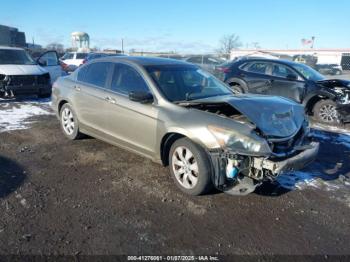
[235, 140]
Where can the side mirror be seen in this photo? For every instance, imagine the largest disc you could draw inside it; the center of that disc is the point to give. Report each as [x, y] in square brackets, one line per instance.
[292, 77]
[141, 97]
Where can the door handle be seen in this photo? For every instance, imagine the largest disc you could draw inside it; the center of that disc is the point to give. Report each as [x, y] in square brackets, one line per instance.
[77, 88]
[110, 100]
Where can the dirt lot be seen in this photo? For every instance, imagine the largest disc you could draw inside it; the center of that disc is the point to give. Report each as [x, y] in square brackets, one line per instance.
[88, 197]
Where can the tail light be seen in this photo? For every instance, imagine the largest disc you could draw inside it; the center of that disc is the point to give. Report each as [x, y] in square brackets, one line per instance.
[84, 61]
[224, 69]
[64, 66]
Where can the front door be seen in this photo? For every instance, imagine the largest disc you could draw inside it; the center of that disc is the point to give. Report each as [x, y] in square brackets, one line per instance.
[132, 124]
[49, 60]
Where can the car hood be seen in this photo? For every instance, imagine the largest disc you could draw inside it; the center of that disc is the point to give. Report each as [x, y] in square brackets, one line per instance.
[331, 83]
[22, 70]
[274, 116]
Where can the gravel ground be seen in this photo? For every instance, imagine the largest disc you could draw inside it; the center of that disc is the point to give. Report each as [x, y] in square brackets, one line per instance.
[88, 197]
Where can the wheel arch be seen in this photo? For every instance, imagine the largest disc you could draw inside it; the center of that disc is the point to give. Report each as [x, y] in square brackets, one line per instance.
[311, 100]
[167, 141]
[234, 80]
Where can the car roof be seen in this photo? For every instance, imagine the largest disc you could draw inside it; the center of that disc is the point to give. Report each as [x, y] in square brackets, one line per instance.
[144, 61]
[10, 48]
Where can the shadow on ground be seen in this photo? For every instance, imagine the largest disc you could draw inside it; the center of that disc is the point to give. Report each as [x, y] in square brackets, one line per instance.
[12, 176]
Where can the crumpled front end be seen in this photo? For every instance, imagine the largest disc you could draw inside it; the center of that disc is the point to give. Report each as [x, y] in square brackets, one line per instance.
[341, 92]
[12, 85]
[240, 174]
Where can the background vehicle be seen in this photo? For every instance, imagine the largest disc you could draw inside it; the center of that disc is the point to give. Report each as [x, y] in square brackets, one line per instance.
[74, 58]
[206, 62]
[20, 74]
[179, 115]
[92, 56]
[329, 69]
[327, 100]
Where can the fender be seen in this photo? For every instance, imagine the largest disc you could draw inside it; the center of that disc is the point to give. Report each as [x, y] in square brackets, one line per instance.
[239, 81]
[319, 93]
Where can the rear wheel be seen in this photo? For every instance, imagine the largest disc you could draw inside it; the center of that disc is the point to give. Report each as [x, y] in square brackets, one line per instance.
[325, 111]
[190, 167]
[69, 122]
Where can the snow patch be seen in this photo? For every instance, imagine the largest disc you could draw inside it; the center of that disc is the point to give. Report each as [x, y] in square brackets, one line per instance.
[18, 115]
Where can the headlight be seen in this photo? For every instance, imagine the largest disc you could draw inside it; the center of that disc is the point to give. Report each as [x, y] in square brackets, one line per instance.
[235, 140]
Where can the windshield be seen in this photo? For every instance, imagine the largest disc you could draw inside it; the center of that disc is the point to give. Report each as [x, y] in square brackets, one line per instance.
[308, 72]
[185, 83]
[15, 57]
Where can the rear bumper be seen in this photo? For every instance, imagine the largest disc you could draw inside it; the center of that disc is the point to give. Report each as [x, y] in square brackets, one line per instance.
[290, 164]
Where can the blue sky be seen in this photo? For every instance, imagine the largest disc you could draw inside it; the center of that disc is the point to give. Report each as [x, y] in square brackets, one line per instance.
[182, 25]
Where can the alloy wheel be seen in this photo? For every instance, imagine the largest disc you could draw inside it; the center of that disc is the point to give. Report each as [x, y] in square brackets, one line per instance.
[185, 167]
[68, 123]
[328, 113]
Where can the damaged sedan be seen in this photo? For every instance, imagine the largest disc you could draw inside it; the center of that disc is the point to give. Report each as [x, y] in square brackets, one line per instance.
[326, 100]
[20, 74]
[180, 116]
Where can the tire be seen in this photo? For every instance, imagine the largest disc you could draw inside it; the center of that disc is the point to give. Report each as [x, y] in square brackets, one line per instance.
[325, 112]
[237, 88]
[196, 178]
[67, 117]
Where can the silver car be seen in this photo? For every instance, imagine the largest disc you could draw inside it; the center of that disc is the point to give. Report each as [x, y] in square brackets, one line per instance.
[180, 116]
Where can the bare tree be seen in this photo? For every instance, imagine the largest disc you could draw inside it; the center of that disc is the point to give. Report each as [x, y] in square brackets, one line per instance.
[55, 46]
[228, 43]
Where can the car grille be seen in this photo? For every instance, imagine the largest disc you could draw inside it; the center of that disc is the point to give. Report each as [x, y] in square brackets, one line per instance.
[29, 80]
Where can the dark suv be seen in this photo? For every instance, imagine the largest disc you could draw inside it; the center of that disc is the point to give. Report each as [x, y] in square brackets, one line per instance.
[328, 100]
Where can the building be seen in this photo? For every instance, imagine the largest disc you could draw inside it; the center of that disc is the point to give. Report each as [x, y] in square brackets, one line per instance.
[324, 56]
[10, 36]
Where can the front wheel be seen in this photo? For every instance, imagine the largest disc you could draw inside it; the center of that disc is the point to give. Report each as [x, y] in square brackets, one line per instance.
[190, 167]
[325, 111]
[237, 88]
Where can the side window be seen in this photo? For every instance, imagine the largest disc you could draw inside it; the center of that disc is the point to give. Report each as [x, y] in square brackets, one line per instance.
[95, 74]
[126, 79]
[281, 71]
[81, 55]
[49, 59]
[256, 67]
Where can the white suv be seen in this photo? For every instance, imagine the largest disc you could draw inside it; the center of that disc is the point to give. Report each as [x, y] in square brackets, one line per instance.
[74, 58]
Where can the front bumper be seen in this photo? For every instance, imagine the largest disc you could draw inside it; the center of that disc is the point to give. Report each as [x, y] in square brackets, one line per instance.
[271, 167]
[344, 112]
[28, 89]
[290, 164]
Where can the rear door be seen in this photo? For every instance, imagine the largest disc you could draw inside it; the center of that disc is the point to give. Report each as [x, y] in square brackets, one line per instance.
[286, 82]
[90, 95]
[49, 60]
[257, 76]
[131, 124]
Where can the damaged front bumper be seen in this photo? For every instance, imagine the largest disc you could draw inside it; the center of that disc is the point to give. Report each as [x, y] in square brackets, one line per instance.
[344, 112]
[255, 170]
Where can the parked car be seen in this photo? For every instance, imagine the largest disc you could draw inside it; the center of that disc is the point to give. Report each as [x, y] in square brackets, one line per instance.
[92, 56]
[74, 59]
[20, 74]
[327, 100]
[329, 69]
[207, 62]
[179, 115]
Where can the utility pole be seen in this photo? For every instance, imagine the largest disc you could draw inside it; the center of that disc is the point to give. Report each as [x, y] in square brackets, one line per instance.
[122, 46]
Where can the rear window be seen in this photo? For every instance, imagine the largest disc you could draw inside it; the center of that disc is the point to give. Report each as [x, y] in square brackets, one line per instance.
[256, 67]
[81, 55]
[95, 74]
